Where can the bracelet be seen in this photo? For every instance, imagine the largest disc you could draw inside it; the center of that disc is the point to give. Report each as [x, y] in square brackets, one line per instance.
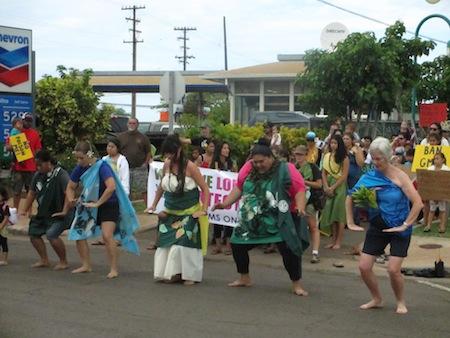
[407, 225]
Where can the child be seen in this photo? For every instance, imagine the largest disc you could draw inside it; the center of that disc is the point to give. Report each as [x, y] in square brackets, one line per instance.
[439, 164]
[17, 126]
[4, 215]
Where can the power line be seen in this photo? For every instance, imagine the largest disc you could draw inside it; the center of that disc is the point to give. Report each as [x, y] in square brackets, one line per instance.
[184, 59]
[376, 20]
[134, 42]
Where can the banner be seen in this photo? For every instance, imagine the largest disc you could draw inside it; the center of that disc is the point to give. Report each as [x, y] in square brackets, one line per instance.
[432, 113]
[423, 156]
[220, 184]
[21, 147]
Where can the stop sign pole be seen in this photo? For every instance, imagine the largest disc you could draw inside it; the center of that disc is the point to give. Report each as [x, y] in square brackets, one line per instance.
[172, 89]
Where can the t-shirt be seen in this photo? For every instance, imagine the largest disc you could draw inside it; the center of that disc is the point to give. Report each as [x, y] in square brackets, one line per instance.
[444, 142]
[297, 182]
[135, 146]
[35, 145]
[316, 175]
[105, 172]
[444, 168]
[39, 180]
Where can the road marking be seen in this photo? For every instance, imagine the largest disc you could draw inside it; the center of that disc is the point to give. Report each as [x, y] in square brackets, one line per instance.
[433, 285]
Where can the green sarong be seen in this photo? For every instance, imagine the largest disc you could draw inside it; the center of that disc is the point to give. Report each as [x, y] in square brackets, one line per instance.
[264, 214]
[334, 210]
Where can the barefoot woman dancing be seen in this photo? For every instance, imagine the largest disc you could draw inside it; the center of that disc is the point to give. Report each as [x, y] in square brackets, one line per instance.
[390, 223]
[273, 197]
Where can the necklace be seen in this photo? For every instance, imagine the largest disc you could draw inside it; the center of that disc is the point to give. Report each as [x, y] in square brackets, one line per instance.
[331, 168]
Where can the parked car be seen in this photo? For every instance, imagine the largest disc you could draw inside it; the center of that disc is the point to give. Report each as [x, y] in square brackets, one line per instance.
[157, 132]
[285, 118]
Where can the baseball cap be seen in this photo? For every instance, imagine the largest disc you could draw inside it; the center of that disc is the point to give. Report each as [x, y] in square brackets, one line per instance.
[310, 136]
[28, 117]
[205, 125]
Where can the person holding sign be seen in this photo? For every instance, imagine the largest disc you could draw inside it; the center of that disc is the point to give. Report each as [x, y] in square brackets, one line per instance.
[182, 225]
[386, 191]
[23, 171]
[273, 199]
[439, 164]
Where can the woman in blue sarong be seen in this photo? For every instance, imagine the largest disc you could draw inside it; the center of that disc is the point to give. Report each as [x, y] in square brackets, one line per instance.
[390, 222]
[103, 208]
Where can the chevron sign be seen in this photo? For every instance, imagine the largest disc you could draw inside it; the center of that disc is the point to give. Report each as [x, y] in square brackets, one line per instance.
[15, 60]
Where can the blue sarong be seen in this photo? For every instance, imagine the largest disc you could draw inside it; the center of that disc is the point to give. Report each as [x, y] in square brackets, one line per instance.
[85, 225]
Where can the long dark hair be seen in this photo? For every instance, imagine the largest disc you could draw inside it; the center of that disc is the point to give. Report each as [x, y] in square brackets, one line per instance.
[341, 151]
[172, 145]
[228, 163]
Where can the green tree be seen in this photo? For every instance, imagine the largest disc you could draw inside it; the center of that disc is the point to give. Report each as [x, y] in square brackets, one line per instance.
[434, 83]
[68, 111]
[362, 74]
[218, 104]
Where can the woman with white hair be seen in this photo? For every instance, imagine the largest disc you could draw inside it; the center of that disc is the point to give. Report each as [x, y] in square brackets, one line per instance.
[390, 221]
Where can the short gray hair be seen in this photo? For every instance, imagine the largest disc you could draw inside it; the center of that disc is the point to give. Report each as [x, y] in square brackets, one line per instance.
[382, 145]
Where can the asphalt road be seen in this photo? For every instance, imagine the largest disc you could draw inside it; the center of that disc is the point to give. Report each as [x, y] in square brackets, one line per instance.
[44, 303]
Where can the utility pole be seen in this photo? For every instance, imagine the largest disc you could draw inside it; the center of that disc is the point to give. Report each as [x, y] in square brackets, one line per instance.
[134, 42]
[225, 42]
[183, 59]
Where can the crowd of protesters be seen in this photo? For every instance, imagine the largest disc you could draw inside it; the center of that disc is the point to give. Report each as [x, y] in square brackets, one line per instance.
[285, 193]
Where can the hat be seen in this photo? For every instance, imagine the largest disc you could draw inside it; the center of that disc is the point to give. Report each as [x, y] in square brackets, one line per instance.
[310, 136]
[205, 125]
[28, 117]
[445, 125]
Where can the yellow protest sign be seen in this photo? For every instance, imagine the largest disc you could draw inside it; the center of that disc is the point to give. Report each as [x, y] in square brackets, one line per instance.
[21, 147]
[423, 156]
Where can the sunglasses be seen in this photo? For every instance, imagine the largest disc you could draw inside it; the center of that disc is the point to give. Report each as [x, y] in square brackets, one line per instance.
[433, 129]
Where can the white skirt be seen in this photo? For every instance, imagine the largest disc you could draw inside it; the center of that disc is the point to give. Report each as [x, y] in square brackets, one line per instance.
[179, 260]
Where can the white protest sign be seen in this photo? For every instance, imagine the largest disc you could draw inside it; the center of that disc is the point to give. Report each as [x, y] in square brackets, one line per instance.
[220, 184]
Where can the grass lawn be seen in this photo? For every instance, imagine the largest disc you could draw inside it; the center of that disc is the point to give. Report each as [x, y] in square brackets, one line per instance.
[418, 231]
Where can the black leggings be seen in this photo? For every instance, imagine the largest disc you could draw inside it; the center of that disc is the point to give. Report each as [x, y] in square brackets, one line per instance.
[4, 243]
[227, 231]
[292, 263]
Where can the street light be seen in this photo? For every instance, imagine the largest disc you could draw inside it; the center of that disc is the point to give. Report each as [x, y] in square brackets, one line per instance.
[414, 90]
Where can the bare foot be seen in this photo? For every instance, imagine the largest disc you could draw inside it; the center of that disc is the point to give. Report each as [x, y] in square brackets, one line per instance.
[329, 246]
[61, 266]
[112, 274]
[335, 247]
[354, 227]
[2, 263]
[241, 282]
[298, 290]
[41, 264]
[373, 304]
[188, 282]
[401, 309]
[82, 269]
[174, 279]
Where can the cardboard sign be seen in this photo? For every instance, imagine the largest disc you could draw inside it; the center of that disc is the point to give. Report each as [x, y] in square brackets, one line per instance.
[434, 185]
[432, 113]
[21, 147]
[220, 184]
[423, 156]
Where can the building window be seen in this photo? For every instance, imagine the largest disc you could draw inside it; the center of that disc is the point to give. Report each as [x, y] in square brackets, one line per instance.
[276, 87]
[276, 103]
[245, 108]
[246, 87]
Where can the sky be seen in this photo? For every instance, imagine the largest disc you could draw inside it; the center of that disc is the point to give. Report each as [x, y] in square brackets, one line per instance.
[90, 33]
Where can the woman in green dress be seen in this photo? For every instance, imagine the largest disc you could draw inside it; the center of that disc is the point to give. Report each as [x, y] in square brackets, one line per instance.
[273, 198]
[335, 167]
[183, 225]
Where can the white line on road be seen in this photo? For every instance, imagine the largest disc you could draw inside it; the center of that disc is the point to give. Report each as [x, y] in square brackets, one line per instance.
[433, 285]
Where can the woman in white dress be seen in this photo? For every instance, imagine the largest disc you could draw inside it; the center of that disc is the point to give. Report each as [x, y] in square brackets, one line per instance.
[179, 253]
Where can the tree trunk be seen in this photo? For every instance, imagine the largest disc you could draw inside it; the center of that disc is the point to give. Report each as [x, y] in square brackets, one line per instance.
[376, 115]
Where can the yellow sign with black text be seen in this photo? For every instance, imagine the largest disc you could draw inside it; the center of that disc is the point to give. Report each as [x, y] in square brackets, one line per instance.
[21, 147]
[423, 156]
